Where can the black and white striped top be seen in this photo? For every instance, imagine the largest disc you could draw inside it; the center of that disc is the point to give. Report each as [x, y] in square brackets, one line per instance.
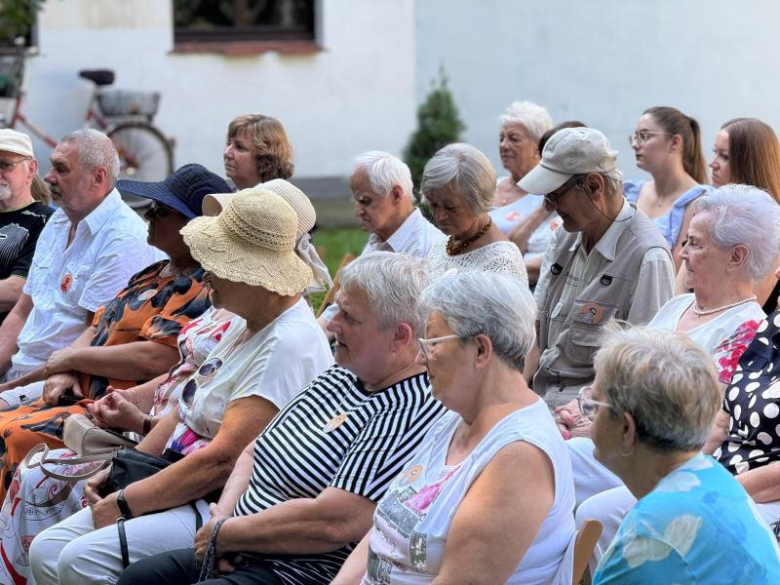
[336, 434]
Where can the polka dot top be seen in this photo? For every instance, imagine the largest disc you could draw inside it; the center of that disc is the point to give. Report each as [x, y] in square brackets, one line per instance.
[753, 401]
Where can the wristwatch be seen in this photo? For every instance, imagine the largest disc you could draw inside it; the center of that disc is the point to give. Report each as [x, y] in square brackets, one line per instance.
[121, 503]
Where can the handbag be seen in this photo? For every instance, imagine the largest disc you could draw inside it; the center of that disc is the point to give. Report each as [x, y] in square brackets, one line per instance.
[128, 465]
[82, 436]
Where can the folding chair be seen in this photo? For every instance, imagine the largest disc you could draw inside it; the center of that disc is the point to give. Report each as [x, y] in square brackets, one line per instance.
[330, 297]
[584, 545]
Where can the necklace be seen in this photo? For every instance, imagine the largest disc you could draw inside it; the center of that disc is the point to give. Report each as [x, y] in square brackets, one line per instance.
[453, 249]
[701, 312]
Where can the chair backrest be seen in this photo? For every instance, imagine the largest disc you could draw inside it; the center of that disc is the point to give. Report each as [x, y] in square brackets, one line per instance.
[585, 543]
[330, 297]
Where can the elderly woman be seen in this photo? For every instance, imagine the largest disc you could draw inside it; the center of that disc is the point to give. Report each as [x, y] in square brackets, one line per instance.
[257, 151]
[304, 491]
[747, 151]
[653, 401]
[522, 125]
[255, 369]
[35, 501]
[457, 186]
[667, 144]
[132, 338]
[488, 497]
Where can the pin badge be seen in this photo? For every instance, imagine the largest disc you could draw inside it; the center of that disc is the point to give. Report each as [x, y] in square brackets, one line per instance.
[411, 474]
[590, 313]
[335, 422]
[66, 282]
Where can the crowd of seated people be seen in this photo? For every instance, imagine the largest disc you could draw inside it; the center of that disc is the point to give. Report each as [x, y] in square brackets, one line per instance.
[551, 347]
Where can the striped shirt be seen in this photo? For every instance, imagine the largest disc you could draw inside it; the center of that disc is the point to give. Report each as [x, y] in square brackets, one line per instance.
[337, 434]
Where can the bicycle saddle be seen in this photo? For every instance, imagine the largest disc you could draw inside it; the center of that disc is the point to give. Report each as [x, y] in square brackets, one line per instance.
[98, 76]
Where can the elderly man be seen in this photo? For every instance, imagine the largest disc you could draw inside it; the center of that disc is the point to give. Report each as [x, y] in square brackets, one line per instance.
[304, 492]
[381, 187]
[608, 261]
[86, 253]
[21, 217]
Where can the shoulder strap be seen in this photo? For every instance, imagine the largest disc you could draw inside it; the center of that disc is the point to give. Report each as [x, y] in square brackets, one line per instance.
[31, 462]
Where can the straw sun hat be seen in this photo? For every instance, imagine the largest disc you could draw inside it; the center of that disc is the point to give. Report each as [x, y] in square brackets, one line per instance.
[307, 217]
[251, 241]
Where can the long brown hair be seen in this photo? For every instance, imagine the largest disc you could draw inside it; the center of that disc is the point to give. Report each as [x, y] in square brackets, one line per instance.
[754, 154]
[673, 121]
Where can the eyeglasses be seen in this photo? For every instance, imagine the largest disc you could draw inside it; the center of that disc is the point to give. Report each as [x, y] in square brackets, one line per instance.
[554, 197]
[588, 406]
[427, 344]
[6, 166]
[160, 210]
[643, 136]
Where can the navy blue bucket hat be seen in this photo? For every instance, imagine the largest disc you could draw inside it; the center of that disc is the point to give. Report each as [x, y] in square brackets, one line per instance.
[183, 191]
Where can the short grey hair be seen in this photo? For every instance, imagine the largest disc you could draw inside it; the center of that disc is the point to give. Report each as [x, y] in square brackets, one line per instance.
[535, 118]
[95, 150]
[392, 282]
[744, 215]
[612, 179]
[665, 381]
[384, 171]
[464, 171]
[497, 305]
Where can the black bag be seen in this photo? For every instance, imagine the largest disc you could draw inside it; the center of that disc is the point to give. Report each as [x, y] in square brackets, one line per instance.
[130, 465]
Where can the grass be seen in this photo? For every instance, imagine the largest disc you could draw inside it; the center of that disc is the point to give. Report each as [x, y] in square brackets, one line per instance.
[332, 244]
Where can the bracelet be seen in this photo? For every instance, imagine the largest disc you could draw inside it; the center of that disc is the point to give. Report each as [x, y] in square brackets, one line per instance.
[147, 424]
[123, 506]
[210, 560]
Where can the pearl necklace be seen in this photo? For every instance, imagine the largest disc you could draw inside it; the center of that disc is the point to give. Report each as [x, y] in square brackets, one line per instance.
[702, 313]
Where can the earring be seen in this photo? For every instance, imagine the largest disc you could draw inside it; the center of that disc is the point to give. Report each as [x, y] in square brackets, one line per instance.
[629, 454]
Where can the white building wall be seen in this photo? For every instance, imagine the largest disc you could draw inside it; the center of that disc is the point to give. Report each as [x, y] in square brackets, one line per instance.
[358, 93]
[603, 61]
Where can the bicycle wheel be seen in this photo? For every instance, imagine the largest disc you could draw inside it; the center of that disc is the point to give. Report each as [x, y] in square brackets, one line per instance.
[144, 155]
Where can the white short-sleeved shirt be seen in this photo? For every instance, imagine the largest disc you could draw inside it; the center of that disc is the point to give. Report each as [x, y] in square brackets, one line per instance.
[276, 363]
[415, 237]
[65, 284]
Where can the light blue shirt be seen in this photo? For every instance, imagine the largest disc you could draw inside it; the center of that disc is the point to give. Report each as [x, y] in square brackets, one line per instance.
[697, 526]
[670, 223]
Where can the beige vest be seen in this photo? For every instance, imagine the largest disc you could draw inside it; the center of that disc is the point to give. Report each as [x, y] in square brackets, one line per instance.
[561, 374]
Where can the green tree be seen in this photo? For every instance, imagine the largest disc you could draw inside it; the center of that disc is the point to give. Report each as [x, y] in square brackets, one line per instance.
[438, 124]
[16, 19]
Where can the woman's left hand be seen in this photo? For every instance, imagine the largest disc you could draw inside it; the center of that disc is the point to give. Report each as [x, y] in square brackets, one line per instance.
[203, 536]
[105, 512]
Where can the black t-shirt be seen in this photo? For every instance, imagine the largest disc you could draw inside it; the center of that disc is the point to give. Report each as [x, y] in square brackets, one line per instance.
[19, 231]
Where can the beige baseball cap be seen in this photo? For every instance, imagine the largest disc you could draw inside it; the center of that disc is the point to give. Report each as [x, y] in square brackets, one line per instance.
[16, 142]
[569, 152]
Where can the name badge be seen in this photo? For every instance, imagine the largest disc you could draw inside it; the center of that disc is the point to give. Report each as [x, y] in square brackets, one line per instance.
[591, 313]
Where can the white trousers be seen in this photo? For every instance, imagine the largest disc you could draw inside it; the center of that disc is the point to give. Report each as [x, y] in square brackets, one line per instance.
[74, 553]
[23, 394]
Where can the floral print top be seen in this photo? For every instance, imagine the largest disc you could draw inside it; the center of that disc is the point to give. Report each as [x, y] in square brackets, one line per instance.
[697, 526]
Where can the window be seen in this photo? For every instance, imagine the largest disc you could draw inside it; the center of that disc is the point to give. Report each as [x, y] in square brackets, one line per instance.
[17, 23]
[228, 21]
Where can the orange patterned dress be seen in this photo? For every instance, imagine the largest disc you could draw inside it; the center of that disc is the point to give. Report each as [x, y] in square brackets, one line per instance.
[153, 307]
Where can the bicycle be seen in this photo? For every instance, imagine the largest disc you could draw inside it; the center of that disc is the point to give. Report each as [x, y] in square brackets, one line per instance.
[145, 154]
